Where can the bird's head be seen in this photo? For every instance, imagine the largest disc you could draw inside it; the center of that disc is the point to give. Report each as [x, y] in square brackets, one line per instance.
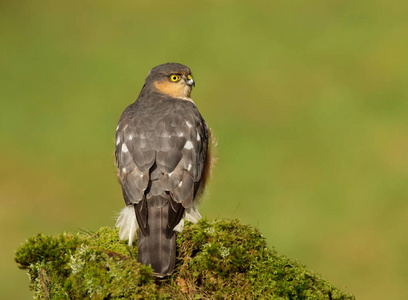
[171, 79]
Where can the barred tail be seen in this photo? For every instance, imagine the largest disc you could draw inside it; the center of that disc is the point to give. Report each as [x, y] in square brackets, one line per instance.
[156, 249]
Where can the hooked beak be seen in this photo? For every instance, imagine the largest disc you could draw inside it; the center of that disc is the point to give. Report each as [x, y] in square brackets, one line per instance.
[190, 81]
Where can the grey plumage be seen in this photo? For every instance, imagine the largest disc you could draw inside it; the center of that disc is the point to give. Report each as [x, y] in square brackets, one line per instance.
[161, 153]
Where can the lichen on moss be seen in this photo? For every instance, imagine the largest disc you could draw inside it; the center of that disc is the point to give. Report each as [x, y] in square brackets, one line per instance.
[98, 274]
[216, 260]
[93, 265]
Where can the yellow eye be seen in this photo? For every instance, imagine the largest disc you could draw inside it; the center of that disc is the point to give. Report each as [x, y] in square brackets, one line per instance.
[189, 77]
[174, 78]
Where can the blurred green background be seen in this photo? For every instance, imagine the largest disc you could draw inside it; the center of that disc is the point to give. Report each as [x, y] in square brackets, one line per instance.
[308, 100]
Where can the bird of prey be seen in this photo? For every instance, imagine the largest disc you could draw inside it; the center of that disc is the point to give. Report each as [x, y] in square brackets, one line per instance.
[163, 159]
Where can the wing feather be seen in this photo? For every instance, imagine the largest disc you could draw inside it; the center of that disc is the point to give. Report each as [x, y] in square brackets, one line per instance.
[161, 154]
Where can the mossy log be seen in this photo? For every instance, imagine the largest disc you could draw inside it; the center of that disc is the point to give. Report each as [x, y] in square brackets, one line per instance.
[216, 260]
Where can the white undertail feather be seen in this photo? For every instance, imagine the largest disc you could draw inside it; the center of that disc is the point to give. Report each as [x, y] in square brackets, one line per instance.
[127, 223]
[190, 214]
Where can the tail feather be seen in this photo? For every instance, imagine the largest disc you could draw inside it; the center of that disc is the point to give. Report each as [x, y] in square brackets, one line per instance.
[156, 249]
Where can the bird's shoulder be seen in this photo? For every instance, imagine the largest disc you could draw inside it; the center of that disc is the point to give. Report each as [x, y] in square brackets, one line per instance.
[150, 109]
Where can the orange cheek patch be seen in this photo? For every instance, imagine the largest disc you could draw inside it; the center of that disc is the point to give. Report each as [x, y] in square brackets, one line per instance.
[173, 89]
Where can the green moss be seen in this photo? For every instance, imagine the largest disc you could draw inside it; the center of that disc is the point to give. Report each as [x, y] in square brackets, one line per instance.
[216, 260]
[107, 238]
[98, 274]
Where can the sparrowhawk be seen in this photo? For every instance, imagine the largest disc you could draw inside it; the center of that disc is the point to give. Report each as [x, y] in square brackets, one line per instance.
[162, 155]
